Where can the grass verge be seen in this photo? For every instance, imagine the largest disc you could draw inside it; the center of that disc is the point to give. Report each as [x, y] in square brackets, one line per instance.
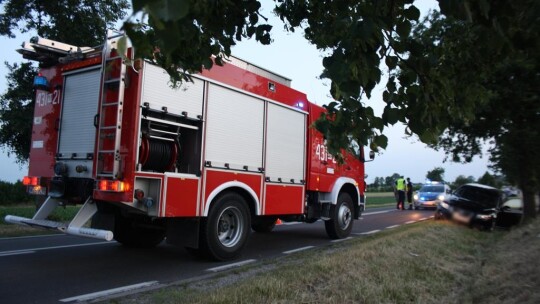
[11, 230]
[428, 262]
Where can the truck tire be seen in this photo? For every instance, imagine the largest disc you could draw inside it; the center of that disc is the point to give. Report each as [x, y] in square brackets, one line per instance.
[341, 217]
[129, 234]
[225, 231]
[263, 224]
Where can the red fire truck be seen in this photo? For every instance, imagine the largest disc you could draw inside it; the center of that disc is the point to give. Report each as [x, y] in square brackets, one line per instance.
[199, 165]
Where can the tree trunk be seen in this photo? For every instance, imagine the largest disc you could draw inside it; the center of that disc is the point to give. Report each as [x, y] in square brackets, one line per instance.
[529, 205]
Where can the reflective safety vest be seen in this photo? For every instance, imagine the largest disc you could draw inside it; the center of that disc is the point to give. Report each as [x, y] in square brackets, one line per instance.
[400, 184]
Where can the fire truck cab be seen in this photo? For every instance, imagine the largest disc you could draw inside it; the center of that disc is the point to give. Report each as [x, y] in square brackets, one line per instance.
[200, 165]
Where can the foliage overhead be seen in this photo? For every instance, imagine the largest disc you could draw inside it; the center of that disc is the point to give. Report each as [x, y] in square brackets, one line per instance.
[76, 22]
[183, 35]
[356, 36]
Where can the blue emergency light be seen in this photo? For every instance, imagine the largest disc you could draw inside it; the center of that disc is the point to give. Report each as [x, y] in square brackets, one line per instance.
[40, 82]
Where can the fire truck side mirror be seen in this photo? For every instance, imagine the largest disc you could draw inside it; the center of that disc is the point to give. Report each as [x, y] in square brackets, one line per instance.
[371, 157]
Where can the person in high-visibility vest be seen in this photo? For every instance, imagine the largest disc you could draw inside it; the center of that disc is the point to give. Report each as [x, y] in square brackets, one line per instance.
[401, 187]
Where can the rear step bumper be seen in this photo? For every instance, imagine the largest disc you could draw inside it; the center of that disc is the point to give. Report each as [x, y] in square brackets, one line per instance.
[73, 228]
[78, 231]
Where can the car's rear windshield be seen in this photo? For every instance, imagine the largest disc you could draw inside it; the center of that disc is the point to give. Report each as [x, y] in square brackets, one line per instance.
[438, 189]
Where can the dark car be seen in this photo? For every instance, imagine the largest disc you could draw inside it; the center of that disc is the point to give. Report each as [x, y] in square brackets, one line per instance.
[478, 205]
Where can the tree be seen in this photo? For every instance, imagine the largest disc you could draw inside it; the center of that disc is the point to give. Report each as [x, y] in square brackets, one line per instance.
[17, 110]
[437, 174]
[501, 100]
[462, 180]
[76, 22]
[490, 180]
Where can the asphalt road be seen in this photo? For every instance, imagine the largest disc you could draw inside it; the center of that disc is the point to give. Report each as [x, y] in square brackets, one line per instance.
[65, 269]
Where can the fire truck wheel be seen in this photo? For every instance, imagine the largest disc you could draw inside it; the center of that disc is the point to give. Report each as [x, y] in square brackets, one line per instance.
[341, 218]
[225, 231]
[129, 234]
[263, 224]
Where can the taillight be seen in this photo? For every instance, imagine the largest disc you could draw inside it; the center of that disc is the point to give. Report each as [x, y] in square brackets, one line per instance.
[114, 186]
[30, 181]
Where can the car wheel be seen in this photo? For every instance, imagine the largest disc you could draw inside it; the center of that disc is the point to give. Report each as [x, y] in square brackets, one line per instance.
[341, 218]
[225, 231]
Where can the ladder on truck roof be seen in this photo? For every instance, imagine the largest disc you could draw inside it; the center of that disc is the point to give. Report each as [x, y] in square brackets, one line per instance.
[111, 103]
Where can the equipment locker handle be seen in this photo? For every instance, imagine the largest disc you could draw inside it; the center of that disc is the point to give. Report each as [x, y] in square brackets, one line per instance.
[96, 120]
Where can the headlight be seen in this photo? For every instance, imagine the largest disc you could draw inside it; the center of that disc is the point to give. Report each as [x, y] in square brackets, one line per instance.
[440, 197]
[416, 196]
[484, 216]
[445, 205]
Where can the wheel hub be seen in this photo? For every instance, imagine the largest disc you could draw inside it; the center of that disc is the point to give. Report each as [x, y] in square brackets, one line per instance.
[344, 216]
[230, 227]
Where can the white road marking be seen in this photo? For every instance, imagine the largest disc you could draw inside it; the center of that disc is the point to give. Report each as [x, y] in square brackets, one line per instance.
[298, 249]
[229, 266]
[104, 293]
[341, 240]
[17, 252]
[368, 233]
[378, 212]
[2, 253]
[30, 236]
[393, 226]
[409, 222]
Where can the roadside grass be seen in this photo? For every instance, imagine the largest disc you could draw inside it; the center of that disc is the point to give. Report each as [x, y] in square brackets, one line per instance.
[426, 262]
[11, 230]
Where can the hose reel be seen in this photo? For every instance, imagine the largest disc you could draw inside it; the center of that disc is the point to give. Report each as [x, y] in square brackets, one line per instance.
[158, 154]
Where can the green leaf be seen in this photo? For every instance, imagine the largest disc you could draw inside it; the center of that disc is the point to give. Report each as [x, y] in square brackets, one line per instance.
[391, 62]
[412, 13]
[380, 141]
[168, 10]
[404, 28]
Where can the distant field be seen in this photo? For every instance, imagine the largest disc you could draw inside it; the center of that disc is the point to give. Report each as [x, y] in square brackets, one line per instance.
[380, 199]
[380, 194]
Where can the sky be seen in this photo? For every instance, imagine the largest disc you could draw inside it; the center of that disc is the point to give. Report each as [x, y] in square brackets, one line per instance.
[290, 55]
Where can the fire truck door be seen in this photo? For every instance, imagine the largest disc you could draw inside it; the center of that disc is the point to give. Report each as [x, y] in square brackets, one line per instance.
[77, 131]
